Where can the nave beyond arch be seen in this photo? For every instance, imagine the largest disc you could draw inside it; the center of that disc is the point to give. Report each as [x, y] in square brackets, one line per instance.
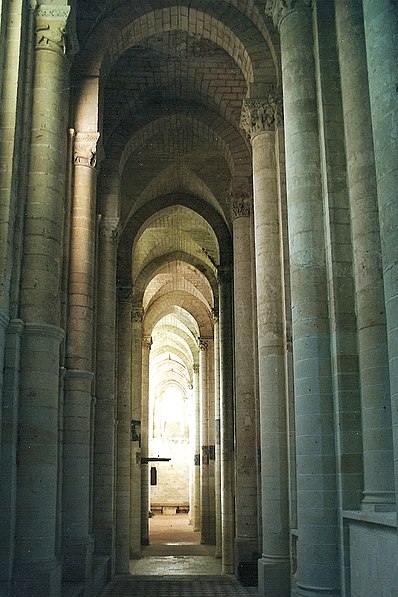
[198, 247]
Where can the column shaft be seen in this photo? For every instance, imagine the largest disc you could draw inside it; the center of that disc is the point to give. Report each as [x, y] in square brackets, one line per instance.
[105, 411]
[317, 547]
[36, 568]
[79, 400]
[372, 338]
[381, 31]
[123, 435]
[197, 460]
[136, 415]
[217, 474]
[246, 541]
[207, 514]
[274, 569]
[227, 422]
[145, 505]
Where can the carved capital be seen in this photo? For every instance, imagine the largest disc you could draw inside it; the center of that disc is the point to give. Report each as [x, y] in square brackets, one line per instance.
[137, 314]
[279, 9]
[259, 116]
[202, 344]
[86, 149]
[240, 209]
[51, 28]
[195, 368]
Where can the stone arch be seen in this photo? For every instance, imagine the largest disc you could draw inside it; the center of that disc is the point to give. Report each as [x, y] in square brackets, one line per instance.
[232, 143]
[231, 30]
[165, 305]
[195, 203]
[152, 269]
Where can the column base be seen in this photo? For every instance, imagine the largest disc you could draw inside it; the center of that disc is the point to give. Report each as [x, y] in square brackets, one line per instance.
[105, 545]
[246, 561]
[274, 577]
[78, 562]
[305, 591]
[378, 501]
[36, 578]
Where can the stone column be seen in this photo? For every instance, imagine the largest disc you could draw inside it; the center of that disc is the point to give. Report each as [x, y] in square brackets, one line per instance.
[13, 42]
[36, 565]
[372, 337]
[227, 420]
[207, 453]
[136, 416]
[105, 411]
[381, 32]
[123, 435]
[246, 540]
[217, 475]
[79, 399]
[317, 548]
[196, 473]
[145, 505]
[259, 120]
[8, 460]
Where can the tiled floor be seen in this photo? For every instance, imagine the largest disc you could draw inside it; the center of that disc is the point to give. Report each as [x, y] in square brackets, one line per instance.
[176, 566]
[176, 586]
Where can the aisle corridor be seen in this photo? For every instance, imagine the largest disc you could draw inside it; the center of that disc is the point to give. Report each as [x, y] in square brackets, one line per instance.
[176, 586]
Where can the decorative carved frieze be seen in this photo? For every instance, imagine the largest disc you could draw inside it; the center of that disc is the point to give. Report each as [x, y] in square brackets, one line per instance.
[261, 115]
[278, 9]
[51, 28]
[86, 149]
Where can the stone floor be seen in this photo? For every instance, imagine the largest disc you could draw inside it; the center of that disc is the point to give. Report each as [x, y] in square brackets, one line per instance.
[176, 586]
[175, 565]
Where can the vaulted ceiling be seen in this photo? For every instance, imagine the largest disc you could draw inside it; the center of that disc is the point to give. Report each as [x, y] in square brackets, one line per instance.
[173, 75]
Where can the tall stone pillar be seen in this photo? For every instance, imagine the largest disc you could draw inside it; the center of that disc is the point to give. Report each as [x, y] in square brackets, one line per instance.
[207, 517]
[8, 454]
[105, 411]
[259, 120]
[145, 505]
[317, 547]
[136, 434]
[227, 420]
[246, 539]
[217, 474]
[123, 434]
[79, 398]
[196, 473]
[381, 32]
[368, 274]
[36, 565]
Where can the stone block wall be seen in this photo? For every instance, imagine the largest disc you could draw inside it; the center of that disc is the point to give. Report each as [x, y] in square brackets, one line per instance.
[172, 477]
[373, 563]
